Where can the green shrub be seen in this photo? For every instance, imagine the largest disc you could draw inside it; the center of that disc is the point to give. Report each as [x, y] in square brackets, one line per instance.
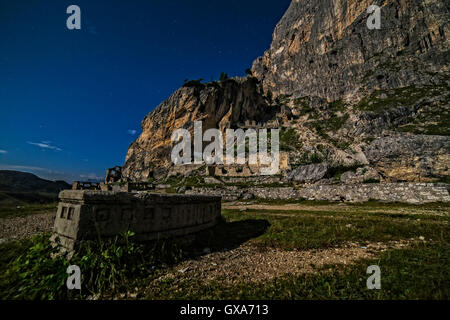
[40, 272]
[35, 274]
[289, 140]
[193, 84]
[223, 76]
[305, 107]
[372, 180]
[337, 171]
[308, 158]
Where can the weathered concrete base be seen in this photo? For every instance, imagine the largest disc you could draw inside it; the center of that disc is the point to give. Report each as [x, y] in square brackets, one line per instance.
[389, 192]
[87, 215]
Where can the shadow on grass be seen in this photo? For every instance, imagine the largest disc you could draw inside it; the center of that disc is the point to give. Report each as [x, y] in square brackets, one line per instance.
[109, 265]
[227, 235]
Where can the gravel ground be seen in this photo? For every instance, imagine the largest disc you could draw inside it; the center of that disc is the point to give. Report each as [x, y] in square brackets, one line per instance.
[251, 263]
[25, 227]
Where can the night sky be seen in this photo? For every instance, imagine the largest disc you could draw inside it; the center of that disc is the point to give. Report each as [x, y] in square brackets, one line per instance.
[71, 101]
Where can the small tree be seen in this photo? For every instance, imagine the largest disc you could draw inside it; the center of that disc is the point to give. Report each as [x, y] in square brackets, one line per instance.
[269, 95]
[223, 76]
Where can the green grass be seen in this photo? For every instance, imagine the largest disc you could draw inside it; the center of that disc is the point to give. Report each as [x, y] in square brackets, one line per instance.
[421, 125]
[289, 140]
[118, 265]
[428, 106]
[27, 209]
[283, 98]
[17, 198]
[333, 124]
[406, 96]
[308, 158]
[9, 251]
[337, 106]
[419, 272]
[305, 107]
[32, 271]
[321, 229]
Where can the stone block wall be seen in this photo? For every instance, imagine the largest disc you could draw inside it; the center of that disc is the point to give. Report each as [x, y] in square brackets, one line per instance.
[389, 192]
[85, 215]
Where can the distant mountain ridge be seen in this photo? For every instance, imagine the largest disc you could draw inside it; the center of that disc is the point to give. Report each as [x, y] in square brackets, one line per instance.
[28, 182]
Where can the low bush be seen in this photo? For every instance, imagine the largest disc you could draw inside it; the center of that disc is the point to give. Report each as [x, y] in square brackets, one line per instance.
[40, 272]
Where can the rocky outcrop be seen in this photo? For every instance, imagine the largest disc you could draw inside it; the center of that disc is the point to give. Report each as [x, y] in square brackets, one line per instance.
[217, 105]
[308, 173]
[367, 104]
[361, 175]
[410, 157]
[324, 48]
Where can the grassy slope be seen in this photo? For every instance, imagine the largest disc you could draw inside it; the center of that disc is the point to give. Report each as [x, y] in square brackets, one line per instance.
[26, 209]
[418, 272]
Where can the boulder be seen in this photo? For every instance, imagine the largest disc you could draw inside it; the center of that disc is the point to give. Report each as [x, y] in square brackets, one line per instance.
[309, 173]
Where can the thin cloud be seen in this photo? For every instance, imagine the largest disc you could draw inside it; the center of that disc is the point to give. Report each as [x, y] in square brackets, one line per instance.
[91, 176]
[3, 151]
[13, 167]
[45, 145]
[132, 132]
[92, 30]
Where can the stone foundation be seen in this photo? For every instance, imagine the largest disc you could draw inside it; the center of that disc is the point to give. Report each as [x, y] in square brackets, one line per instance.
[85, 215]
[389, 192]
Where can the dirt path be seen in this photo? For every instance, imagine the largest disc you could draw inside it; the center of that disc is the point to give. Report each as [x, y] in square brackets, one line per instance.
[25, 227]
[251, 263]
[338, 207]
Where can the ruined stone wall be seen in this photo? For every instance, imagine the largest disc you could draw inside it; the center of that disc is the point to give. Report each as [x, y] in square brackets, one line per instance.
[389, 192]
[84, 215]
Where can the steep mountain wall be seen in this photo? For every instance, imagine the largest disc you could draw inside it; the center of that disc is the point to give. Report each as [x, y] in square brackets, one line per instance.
[348, 98]
[217, 105]
[325, 49]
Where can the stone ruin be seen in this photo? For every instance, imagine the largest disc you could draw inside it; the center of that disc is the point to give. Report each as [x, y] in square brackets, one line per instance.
[89, 214]
[113, 174]
[114, 182]
[79, 185]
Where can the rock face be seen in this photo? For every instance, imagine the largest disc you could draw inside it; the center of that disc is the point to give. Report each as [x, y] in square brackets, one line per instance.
[308, 173]
[362, 175]
[217, 105]
[365, 104]
[325, 49]
[404, 158]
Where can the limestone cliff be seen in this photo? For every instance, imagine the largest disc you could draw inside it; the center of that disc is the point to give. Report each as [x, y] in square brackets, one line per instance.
[325, 49]
[350, 101]
[217, 105]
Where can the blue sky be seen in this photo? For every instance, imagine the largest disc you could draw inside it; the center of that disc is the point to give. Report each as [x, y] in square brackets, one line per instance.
[71, 101]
